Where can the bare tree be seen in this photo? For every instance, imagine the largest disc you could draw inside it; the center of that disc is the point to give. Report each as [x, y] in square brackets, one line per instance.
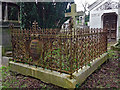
[85, 7]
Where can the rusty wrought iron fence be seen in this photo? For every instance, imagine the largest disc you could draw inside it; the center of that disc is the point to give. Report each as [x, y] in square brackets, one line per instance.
[64, 51]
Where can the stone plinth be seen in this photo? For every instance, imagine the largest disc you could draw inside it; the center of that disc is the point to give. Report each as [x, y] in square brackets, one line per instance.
[56, 78]
[5, 32]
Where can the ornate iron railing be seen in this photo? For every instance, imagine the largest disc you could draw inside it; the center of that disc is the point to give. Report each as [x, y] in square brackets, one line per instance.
[64, 51]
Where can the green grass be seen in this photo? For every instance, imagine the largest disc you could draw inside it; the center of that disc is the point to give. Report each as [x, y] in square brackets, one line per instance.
[8, 81]
[112, 54]
[14, 81]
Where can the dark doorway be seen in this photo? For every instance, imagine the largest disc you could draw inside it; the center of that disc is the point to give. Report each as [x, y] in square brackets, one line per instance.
[110, 23]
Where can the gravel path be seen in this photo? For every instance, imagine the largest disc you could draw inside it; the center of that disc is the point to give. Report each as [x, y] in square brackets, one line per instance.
[108, 76]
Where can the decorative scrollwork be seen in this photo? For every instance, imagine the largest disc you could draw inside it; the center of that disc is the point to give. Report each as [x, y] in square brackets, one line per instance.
[108, 5]
[35, 25]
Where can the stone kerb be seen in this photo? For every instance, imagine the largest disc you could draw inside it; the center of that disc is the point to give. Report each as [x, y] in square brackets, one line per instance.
[55, 77]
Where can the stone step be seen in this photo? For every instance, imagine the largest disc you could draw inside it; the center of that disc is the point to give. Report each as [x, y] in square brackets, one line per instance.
[8, 54]
[5, 60]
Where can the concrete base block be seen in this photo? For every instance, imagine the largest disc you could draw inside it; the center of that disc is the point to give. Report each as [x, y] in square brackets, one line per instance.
[56, 78]
[5, 60]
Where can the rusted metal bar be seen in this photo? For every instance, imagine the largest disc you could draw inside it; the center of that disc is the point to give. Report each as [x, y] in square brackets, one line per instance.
[50, 62]
[60, 44]
[43, 53]
[77, 47]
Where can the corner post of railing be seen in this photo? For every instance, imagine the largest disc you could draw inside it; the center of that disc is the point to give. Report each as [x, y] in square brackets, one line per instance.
[98, 42]
[43, 53]
[60, 44]
[94, 43]
[50, 62]
[106, 33]
[74, 45]
[76, 51]
[11, 27]
[29, 36]
[71, 56]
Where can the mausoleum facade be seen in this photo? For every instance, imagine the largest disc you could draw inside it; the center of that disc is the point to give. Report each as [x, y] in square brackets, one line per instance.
[104, 14]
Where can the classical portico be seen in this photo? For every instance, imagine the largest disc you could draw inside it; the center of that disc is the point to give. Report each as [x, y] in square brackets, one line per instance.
[7, 18]
[4, 10]
[104, 14]
[0, 11]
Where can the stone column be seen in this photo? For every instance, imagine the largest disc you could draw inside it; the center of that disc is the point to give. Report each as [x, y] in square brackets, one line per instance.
[6, 12]
[0, 11]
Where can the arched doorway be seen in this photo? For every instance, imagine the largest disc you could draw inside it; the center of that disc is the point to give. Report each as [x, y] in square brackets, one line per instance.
[110, 23]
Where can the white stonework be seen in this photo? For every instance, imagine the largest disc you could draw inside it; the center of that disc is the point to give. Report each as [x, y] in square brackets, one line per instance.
[6, 12]
[101, 7]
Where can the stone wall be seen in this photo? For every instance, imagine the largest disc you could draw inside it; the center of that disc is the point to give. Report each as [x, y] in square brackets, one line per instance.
[5, 33]
[6, 37]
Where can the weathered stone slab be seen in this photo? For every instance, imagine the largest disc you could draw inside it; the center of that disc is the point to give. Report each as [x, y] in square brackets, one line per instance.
[44, 75]
[56, 78]
[8, 54]
[5, 60]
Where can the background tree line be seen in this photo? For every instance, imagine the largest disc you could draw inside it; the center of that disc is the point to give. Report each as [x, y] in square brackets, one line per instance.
[47, 14]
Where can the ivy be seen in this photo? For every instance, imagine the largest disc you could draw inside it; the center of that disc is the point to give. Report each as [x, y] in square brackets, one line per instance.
[112, 54]
[47, 14]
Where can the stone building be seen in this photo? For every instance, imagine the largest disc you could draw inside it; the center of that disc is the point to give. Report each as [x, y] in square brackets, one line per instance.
[6, 20]
[104, 14]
